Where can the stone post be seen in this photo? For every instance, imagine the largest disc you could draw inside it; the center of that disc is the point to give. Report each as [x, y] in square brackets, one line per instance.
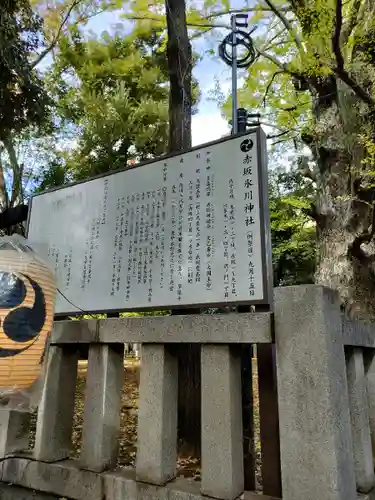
[53, 440]
[14, 431]
[269, 420]
[101, 424]
[136, 350]
[222, 444]
[369, 358]
[359, 412]
[157, 416]
[315, 430]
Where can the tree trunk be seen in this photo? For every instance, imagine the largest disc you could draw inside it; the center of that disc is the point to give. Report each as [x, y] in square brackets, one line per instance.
[344, 264]
[345, 206]
[180, 71]
[17, 195]
[4, 199]
[351, 276]
[180, 109]
[341, 136]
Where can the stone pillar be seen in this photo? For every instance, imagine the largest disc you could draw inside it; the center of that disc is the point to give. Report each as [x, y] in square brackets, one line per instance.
[222, 445]
[14, 431]
[53, 439]
[101, 424]
[247, 417]
[157, 416]
[136, 350]
[269, 420]
[315, 429]
[369, 358]
[359, 412]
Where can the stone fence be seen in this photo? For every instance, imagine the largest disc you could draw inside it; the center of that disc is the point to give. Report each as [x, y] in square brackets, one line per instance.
[326, 398]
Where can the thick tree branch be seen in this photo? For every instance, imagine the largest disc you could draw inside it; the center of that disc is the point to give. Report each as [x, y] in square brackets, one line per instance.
[362, 11]
[4, 199]
[243, 11]
[298, 5]
[280, 134]
[340, 69]
[16, 169]
[357, 89]
[286, 23]
[351, 23]
[286, 139]
[336, 37]
[283, 66]
[86, 17]
[269, 85]
[55, 39]
[132, 17]
[275, 61]
[200, 33]
[202, 24]
[289, 109]
[273, 125]
[270, 43]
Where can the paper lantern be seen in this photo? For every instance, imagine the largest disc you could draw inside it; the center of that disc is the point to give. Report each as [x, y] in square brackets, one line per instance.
[27, 301]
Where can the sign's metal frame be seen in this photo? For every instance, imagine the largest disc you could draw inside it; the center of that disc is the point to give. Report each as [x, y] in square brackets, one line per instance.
[266, 247]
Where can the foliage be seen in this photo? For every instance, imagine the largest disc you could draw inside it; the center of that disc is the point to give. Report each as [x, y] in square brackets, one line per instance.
[110, 111]
[22, 98]
[293, 231]
[28, 140]
[53, 175]
[113, 91]
[314, 82]
[62, 16]
[24, 105]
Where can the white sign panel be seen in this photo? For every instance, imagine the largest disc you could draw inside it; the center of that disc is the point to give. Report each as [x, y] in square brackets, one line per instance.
[190, 229]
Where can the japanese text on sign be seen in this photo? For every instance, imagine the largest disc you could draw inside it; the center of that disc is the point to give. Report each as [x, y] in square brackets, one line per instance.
[185, 230]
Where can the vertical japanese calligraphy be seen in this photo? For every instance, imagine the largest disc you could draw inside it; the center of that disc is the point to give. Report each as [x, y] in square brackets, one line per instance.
[187, 229]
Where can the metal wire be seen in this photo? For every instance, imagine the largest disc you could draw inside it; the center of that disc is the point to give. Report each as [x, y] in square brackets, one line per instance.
[70, 302]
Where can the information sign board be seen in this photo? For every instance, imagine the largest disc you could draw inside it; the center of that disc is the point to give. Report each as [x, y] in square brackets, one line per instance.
[190, 229]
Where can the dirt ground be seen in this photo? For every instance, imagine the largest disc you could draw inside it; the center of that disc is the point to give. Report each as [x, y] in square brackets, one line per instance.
[187, 466]
[129, 409]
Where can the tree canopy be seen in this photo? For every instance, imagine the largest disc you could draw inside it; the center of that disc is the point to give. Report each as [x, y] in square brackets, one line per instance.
[112, 92]
[23, 100]
[314, 81]
[292, 229]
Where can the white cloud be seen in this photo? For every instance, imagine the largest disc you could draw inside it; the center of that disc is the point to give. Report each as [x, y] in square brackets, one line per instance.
[208, 127]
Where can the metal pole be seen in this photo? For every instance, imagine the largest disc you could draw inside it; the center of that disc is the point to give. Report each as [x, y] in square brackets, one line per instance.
[241, 120]
[234, 75]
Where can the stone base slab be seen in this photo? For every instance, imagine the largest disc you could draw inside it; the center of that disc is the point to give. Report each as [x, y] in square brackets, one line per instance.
[11, 492]
[24, 479]
[65, 479]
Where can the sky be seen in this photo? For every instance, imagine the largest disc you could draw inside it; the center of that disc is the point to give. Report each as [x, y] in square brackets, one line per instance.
[208, 123]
